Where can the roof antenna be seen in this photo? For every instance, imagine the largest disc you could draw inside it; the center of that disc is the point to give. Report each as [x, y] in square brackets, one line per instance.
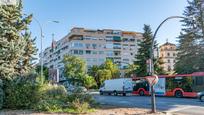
[167, 40]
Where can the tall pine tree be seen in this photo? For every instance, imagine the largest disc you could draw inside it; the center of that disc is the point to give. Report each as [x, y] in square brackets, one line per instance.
[144, 54]
[16, 46]
[190, 56]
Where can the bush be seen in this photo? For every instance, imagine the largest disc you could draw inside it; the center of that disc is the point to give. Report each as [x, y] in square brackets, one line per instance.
[52, 98]
[20, 94]
[48, 91]
[49, 105]
[80, 106]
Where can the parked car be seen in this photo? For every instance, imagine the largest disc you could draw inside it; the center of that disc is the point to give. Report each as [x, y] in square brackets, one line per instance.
[117, 86]
[201, 96]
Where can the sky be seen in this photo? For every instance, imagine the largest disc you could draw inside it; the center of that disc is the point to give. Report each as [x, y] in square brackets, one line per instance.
[128, 15]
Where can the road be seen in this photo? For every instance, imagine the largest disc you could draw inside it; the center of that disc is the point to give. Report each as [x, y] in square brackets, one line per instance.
[186, 106]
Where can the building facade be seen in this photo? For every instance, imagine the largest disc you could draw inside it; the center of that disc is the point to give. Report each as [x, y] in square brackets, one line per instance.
[167, 53]
[94, 46]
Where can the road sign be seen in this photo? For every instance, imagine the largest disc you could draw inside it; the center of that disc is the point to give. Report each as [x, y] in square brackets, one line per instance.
[152, 80]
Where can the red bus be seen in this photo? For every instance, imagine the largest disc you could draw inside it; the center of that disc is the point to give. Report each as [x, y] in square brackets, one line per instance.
[179, 85]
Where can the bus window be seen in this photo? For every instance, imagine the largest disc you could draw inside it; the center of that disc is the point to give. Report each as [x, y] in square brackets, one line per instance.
[184, 83]
[199, 81]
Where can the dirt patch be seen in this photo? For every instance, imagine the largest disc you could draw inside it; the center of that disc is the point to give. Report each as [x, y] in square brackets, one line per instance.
[112, 110]
[104, 110]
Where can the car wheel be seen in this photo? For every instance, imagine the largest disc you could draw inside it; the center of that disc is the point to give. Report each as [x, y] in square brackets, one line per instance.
[115, 93]
[141, 93]
[202, 98]
[178, 94]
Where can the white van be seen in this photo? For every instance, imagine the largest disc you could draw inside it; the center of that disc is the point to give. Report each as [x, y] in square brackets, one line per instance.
[117, 86]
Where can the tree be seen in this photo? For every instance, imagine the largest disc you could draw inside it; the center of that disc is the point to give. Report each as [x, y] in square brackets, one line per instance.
[105, 71]
[75, 68]
[130, 70]
[190, 56]
[109, 65]
[16, 46]
[144, 54]
[89, 82]
[102, 75]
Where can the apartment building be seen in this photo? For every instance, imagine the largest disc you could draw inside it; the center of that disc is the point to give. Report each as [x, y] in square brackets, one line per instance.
[168, 54]
[94, 46]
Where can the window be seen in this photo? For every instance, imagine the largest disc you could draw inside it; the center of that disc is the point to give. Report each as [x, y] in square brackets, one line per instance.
[101, 60]
[174, 54]
[199, 81]
[125, 59]
[80, 52]
[88, 51]
[101, 52]
[168, 61]
[88, 45]
[110, 46]
[168, 54]
[94, 46]
[109, 38]
[94, 52]
[109, 53]
[94, 60]
[77, 44]
[132, 40]
[76, 52]
[125, 39]
[88, 59]
[174, 61]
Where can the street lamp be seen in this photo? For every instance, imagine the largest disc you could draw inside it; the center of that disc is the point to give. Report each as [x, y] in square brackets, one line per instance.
[41, 42]
[151, 59]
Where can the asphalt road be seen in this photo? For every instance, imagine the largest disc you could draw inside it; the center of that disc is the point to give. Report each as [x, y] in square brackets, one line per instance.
[186, 106]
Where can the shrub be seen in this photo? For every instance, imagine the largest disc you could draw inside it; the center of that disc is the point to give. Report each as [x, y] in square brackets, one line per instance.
[52, 98]
[80, 106]
[48, 91]
[20, 94]
[49, 105]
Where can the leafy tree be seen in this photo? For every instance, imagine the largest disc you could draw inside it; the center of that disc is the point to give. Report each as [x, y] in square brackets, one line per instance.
[144, 54]
[75, 68]
[16, 46]
[105, 71]
[109, 65]
[102, 75]
[130, 70]
[190, 57]
[89, 82]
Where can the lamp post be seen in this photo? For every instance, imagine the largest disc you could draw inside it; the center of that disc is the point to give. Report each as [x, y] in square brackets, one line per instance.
[151, 60]
[41, 42]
